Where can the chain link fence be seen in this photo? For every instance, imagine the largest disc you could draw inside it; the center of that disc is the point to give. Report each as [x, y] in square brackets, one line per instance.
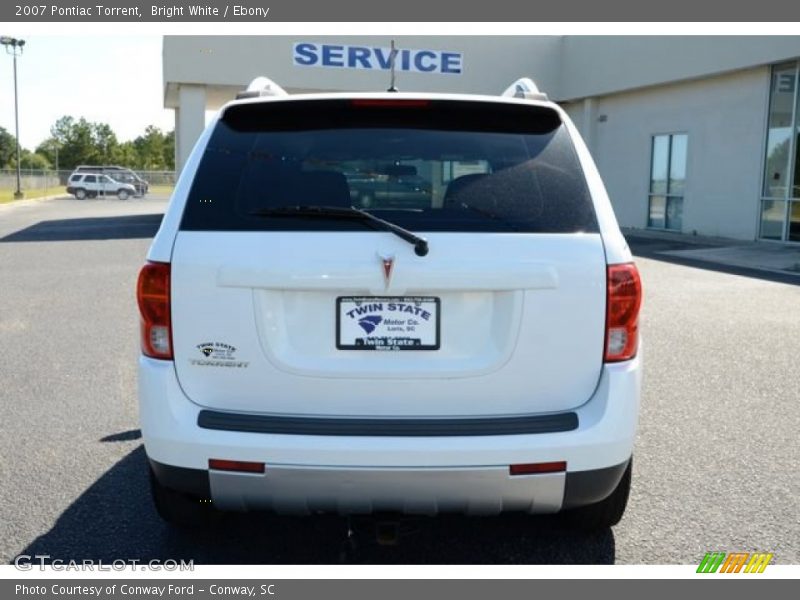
[47, 182]
[158, 178]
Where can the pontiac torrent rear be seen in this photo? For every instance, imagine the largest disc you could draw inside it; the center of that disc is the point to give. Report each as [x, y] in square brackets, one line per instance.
[415, 303]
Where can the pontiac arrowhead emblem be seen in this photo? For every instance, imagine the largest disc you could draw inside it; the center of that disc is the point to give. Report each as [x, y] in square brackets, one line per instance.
[388, 267]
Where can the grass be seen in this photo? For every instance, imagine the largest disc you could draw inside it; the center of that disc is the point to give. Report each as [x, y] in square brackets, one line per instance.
[161, 189]
[7, 194]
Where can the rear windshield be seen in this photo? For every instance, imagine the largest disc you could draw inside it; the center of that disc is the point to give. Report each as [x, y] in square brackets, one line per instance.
[427, 166]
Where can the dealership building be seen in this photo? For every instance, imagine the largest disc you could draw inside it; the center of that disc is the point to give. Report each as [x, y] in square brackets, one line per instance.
[691, 134]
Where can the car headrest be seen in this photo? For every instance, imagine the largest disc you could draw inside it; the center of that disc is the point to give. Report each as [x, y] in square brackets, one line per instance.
[459, 188]
[328, 188]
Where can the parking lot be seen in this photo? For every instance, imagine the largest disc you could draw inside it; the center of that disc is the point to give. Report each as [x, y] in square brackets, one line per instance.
[716, 464]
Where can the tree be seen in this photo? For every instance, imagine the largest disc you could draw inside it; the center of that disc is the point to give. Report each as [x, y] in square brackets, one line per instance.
[105, 140]
[75, 142]
[8, 148]
[169, 150]
[151, 149]
[31, 160]
[48, 149]
[125, 155]
[81, 142]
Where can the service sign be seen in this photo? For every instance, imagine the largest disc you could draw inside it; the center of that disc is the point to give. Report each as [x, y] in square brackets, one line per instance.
[342, 56]
[384, 323]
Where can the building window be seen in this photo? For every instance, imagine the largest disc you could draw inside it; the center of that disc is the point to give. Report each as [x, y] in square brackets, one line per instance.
[780, 195]
[667, 181]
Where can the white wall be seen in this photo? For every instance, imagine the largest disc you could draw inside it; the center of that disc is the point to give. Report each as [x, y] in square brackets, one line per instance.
[490, 63]
[694, 87]
[566, 67]
[211, 69]
[598, 65]
[724, 117]
[189, 121]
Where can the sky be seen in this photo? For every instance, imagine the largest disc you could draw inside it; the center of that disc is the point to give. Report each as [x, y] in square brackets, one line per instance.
[110, 79]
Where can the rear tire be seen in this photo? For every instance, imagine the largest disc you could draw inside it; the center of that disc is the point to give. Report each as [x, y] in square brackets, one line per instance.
[179, 509]
[606, 513]
[123, 194]
[80, 194]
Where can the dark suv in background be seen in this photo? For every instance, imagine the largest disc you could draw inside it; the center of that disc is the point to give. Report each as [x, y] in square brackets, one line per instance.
[121, 174]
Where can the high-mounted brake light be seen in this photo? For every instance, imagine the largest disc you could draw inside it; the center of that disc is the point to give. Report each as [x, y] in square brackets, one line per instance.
[153, 296]
[389, 103]
[623, 301]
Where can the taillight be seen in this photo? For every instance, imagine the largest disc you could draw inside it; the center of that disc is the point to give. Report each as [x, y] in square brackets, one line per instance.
[152, 293]
[624, 298]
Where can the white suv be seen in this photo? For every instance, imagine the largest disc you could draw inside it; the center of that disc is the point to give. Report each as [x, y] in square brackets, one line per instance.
[91, 185]
[469, 347]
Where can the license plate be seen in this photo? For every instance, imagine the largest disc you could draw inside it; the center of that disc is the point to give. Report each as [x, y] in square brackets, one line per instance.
[387, 323]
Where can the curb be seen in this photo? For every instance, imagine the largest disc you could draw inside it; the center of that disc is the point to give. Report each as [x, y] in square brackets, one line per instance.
[699, 251]
[683, 238]
[30, 201]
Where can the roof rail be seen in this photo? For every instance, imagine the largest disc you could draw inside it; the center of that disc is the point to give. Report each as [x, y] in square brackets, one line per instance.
[262, 86]
[524, 88]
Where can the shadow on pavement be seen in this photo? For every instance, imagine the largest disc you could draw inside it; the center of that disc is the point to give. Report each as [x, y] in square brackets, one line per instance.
[123, 436]
[654, 249]
[94, 228]
[115, 519]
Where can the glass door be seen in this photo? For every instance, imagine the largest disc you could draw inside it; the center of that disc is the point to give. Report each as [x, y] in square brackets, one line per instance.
[780, 201]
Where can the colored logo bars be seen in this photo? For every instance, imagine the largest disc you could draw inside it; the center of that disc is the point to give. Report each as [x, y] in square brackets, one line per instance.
[734, 562]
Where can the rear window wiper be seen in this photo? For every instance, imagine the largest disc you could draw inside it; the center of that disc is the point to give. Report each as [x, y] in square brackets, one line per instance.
[346, 212]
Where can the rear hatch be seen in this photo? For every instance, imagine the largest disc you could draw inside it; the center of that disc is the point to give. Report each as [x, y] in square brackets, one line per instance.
[282, 310]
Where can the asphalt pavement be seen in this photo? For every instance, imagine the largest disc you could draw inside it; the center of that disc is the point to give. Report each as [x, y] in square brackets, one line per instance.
[716, 464]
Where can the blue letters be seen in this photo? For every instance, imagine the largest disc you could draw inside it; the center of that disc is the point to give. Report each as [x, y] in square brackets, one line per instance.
[384, 60]
[309, 54]
[305, 54]
[358, 54]
[451, 62]
[332, 56]
[431, 66]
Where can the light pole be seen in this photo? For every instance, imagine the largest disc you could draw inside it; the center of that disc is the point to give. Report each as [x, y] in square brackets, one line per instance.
[14, 48]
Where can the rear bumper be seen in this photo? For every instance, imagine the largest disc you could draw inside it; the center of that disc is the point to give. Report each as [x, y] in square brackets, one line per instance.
[363, 473]
[469, 490]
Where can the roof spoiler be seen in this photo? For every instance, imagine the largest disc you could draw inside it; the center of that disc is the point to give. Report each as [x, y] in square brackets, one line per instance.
[524, 88]
[262, 86]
